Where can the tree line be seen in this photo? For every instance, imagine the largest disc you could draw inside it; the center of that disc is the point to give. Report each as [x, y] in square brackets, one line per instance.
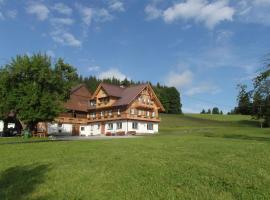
[214, 111]
[256, 102]
[34, 89]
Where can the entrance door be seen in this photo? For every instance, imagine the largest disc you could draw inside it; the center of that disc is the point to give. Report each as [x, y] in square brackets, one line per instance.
[102, 128]
[75, 130]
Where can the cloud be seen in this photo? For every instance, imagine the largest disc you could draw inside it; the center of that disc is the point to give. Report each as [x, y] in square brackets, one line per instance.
[62, 21]
[50, 53]
[116, 6]
[86, 14]
[203, 88]
[11, 14]
[40, 10]
[102, 15]
[223, 36]
[179, 80]
[94, 68]
[65, 38]
[112, 73]
[89, 14]
[62, 9]
[254, 11]
[152, 12]
[210, 14]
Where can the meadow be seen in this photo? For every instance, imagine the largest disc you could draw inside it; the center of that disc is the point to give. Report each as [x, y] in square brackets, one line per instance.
[193, 157]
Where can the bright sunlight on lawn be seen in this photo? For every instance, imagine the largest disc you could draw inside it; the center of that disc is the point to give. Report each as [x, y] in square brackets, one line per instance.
[193, 157]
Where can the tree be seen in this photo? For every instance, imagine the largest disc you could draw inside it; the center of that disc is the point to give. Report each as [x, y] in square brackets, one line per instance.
[203, 111]
[215, 111]
[243, 98]
[34, 88]
[208, 111]
[221, 112]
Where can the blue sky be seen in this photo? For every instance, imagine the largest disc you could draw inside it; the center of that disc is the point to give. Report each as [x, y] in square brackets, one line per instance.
[202, 47]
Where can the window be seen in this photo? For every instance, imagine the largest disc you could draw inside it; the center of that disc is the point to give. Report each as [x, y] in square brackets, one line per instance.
[59, 125]
[153, 114]
[118, 112]
[92, 103]
[82, 128]
[132, 111]
[119, 125]
[101, 113]
[149, 126]
[148, 113]
[134, 125]
[110, 113]
[94, 115]
[139, 112]
[110, 126]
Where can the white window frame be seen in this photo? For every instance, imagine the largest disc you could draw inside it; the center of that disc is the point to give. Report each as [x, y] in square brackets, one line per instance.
[150, 126]
[135, 125]
[110, 126]
[119, 125]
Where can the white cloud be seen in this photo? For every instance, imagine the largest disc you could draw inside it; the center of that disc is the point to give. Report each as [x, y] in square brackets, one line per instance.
[210, 14]
[102, 15]
[94, 68]
[86, 14]
[62, 9]
[203, 88]
[254, 11]
[62, 21]
[50, 53]
[11, 14]
[38, 9]
[223, 36]
[117, 6]
[152, 12]
[112, 73]
[89, 14]
[179, 80]
[65, 38]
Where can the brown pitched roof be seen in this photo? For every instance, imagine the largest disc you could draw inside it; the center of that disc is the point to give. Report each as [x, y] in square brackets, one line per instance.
[125, 95]
[79, 98]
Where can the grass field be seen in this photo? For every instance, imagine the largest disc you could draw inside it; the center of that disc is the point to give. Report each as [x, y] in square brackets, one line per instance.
[193, 157]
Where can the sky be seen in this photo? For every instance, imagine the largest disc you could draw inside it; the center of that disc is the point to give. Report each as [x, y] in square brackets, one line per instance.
[204, 48]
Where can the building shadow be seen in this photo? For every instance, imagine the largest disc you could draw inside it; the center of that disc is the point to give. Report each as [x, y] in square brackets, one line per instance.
[20, 182]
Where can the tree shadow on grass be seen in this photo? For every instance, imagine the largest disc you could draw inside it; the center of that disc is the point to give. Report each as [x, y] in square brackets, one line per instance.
[20, 182]
[239, 137]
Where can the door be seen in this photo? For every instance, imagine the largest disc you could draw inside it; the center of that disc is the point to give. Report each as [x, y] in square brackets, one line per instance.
[75, 130]
[102, 128]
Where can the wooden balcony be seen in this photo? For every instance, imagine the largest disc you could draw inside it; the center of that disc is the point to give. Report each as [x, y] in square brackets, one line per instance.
[71, 120]
[147, 106]
[123, 116]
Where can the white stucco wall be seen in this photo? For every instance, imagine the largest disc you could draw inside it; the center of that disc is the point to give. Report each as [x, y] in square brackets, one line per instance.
[91, 129]
[1, 126]
[65, 129]
[127, 126]
[142, 127]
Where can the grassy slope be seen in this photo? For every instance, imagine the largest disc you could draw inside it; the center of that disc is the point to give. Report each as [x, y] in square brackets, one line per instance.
[193, 157]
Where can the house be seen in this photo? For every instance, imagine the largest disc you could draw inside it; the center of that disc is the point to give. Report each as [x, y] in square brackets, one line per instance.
[69, 122]
[111, 110]
[116, 110]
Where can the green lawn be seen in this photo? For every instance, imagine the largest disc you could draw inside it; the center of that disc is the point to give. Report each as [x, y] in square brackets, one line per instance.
[193, 157]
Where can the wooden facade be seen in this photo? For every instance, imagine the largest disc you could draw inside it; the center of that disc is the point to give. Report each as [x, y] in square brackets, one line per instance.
[110, 103]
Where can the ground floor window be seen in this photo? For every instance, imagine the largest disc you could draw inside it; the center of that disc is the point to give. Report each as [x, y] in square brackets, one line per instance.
[119, 125]
[82, 128]
[134, 125]
[150, 126]
[110, 126]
